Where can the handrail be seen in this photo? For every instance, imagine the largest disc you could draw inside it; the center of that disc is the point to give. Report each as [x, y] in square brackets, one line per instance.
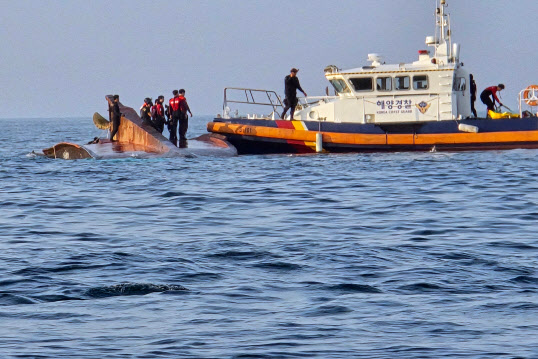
[305, 103]
[273, 99]
[521, 98]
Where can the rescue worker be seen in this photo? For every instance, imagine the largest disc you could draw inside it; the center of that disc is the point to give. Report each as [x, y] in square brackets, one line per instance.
[184, 119]
[116, 117]
[168, 116]
[291, 84]
[157, 114]
[175, 115]
[491, 91]
[145, 112]
[473, 95]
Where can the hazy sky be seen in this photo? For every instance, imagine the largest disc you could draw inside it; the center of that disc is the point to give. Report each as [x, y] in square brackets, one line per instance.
[60, 58]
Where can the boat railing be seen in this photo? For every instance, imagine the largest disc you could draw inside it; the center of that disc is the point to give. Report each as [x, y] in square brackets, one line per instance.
[251, 97]
[305, 102]
[528, 96]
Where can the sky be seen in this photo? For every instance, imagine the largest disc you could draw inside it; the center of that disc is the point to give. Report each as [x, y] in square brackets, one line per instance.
[60, 58]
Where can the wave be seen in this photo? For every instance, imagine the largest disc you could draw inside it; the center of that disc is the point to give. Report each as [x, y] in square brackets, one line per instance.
[353, 288]
[127, 289]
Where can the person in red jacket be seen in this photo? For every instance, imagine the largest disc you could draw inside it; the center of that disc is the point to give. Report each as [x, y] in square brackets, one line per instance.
[184, 118]
[175, 114]
[157, 114]
[489, 93]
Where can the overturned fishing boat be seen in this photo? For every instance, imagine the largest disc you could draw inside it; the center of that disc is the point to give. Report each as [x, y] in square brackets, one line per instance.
[420, 106]
[138, 139]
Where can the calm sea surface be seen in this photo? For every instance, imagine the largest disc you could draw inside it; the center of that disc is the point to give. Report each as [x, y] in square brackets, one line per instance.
[404, 255]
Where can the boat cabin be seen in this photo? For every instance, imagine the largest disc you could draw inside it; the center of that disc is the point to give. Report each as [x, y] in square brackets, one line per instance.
[433, 88]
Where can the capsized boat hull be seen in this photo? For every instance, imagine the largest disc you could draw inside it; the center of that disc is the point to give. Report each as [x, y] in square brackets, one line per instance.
[258, 136]
[135, 138]
[67, 151]
[205, 145]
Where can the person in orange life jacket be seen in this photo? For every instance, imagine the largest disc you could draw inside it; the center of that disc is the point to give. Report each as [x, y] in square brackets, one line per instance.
[173, 106]
[291, 83]
[157, 114]
[491, 91]
[116, 117]
[184, 119]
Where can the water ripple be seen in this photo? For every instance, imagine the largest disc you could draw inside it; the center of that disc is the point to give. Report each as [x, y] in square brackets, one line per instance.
[131, 289]
[386, 255]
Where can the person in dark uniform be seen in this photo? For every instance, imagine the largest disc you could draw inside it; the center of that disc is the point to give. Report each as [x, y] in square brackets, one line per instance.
[157, 114]
[116, 117]
[291, 84]
[184, 119]
[175, 115]
[491, 92]
[473, 95]
[168, 116]
[145, 112]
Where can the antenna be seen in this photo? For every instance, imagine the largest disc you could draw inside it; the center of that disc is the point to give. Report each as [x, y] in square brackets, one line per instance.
[442, 41]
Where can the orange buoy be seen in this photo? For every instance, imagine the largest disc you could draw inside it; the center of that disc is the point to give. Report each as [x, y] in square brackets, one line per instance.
[530, 95]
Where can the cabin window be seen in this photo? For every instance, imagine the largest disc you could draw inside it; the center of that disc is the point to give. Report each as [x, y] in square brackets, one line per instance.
[420, 82]
[384, 84]
[339, 86]
[401, 83]
[362, 83]
[460, 84]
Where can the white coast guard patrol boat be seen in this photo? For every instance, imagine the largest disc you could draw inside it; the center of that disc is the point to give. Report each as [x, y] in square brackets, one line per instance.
[422, 105]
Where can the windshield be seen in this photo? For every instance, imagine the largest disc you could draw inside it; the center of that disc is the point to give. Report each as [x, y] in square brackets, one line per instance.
[339, 86]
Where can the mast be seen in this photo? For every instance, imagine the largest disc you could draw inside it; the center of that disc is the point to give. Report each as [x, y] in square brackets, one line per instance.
[442, 41]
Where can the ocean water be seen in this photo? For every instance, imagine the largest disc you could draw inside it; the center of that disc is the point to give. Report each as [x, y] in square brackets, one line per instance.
[403, 255]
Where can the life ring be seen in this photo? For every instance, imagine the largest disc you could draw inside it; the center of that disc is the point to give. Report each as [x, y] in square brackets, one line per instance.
[530, 95]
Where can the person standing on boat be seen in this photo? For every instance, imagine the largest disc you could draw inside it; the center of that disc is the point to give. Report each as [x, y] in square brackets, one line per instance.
[157, 114]
[473, 95]
[486, 95]
[145, 112]
[168, 116]
[175, 114]
[184, 119]
[116, 117]
[291, 85]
